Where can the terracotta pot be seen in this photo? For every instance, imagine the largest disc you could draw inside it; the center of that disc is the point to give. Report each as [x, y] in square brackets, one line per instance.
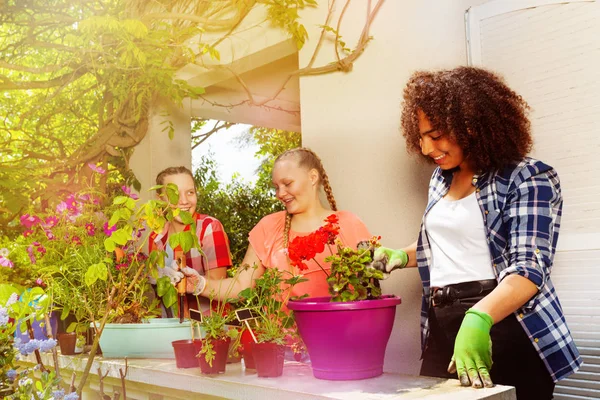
[185, 353]
[247, 341]
[268, 358]
[67, 341]
[221, 348]
[231, 357]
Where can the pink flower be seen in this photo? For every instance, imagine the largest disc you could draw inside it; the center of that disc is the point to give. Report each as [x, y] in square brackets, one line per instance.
[27, 233]
[127, 191]
[41, 249]
[29, 221]
[90, 228]
[5, 262]
[71, 203]
[30, 253]
[61, 207]
[96, 168]
[76, 240]
[109, 231]
[39, 281]
[51, 222]
[49, 234]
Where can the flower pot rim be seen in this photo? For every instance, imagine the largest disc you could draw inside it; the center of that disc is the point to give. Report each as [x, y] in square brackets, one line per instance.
[324, 304]
[146, 325]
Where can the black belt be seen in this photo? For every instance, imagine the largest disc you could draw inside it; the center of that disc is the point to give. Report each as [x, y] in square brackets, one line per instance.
[444, 296]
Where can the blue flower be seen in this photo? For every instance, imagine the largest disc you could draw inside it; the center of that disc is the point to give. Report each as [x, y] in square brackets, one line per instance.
[47, 344]
[72, 396]
[3, 316]
[11, 374]
[29, 347]
[58, 394]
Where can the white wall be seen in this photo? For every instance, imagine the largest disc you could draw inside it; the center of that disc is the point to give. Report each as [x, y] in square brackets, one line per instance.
[352, 121]
[157, 152]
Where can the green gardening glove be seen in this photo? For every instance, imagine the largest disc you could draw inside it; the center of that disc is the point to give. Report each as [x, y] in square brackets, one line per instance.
[386, 260]
[472, 357]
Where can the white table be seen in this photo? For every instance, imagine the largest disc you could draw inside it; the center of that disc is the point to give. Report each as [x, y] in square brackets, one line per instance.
[159, 379]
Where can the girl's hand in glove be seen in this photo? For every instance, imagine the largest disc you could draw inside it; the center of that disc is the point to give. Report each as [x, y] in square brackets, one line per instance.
[195, 282]
[170, 271]
[386, 260]
[472, 358]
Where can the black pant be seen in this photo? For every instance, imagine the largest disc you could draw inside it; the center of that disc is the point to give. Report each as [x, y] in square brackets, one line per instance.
[515, 360]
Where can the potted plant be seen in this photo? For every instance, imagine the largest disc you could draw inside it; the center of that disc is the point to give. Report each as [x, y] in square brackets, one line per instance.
[334, 328]
[91, 258]
[213, 348]
[269, 322]
[19, 306]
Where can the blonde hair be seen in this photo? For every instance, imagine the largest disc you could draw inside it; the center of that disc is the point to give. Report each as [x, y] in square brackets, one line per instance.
[308, 159]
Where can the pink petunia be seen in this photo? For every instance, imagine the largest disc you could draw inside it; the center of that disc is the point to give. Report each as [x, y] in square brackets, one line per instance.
[50, 222]
[90, 229]
[29, 221]
[128, 192]
[5, 262]
[109, 230]
[96, 168]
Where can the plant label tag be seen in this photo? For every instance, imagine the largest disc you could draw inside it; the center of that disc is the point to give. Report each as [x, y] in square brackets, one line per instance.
[245, 314]
[195, 315]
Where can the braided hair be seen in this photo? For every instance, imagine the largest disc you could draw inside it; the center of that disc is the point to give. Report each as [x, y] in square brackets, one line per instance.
[307, 158]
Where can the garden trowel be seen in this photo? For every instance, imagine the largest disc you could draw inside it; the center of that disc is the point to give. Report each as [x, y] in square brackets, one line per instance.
[181, 287]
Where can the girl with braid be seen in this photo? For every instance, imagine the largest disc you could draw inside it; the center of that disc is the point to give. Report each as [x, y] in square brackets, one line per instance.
[298, 175]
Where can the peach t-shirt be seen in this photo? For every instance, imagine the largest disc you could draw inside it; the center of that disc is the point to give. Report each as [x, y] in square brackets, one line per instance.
[266, 238]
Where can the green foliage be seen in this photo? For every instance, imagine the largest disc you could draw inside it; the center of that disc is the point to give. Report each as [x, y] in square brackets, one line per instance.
[351, 277]
[267, 298]
[83, 76]
[21, 306]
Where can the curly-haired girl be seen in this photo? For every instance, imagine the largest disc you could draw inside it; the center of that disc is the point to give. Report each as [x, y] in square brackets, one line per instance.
[487, 239]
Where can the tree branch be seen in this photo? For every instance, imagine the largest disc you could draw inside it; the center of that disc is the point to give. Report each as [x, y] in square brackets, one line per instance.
[58, 81]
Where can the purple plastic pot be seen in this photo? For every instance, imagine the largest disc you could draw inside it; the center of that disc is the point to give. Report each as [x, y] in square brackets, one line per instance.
[345, 340]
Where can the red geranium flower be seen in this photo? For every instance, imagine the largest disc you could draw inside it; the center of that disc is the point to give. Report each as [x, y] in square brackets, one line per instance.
[304, 248]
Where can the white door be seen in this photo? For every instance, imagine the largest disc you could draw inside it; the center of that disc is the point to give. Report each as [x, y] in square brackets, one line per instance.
[549, 52]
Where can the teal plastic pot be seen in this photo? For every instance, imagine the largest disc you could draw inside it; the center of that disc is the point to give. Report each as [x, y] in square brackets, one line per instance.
[146, 340]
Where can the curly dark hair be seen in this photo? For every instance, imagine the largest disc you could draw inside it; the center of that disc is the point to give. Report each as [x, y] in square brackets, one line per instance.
[486, 118]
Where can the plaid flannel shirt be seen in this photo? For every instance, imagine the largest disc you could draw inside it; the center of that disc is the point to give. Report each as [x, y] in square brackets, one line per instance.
[213, 241]
[521, 207]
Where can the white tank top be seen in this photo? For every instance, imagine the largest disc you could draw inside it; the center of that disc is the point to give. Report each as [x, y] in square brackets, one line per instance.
[457, 238]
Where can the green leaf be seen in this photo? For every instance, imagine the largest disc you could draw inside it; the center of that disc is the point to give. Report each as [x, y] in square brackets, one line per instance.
[172, 193]
[162, 285]
[186, 240]
[109, 244]
[71, 327]
[170, 298]
[120, 200]
[186, 217]
[120, 236]
[95, 272]
[174, 240]
[65, 312]
[155, 187]
[130, 203]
